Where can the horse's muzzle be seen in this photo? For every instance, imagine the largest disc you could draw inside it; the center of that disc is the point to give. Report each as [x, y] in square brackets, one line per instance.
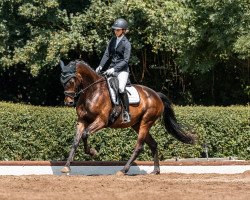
[69, 103]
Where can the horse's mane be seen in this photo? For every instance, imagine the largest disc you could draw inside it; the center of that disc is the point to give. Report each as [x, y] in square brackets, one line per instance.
[83, 63]
[71, 67]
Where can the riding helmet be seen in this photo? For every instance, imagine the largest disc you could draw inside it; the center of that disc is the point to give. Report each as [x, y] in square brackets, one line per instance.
[120, 24]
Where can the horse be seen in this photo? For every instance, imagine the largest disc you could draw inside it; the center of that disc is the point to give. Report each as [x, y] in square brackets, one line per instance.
[88, 92]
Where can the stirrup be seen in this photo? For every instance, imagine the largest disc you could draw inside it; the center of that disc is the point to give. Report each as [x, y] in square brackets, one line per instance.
[126, 117]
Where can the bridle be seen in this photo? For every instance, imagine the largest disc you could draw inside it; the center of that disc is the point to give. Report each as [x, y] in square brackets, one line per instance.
[69, 72]
[75, 95]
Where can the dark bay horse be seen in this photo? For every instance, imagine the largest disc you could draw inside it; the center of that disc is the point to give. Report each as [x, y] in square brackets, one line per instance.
[88, 91]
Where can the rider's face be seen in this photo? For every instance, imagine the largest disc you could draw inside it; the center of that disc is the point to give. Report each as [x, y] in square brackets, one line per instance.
[118, 32]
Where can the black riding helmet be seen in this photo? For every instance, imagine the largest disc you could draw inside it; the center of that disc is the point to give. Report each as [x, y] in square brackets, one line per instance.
[120, 24]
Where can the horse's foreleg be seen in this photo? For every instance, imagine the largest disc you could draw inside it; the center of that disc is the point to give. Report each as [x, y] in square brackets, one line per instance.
[79, 133]
[95, 126]
[82, 133]
[91, 151]
[153, 146]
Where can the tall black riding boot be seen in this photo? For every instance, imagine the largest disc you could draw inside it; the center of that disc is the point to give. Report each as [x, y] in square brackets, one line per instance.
[125, 102]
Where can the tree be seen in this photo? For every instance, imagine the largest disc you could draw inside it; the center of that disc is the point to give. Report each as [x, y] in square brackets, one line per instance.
[174, 41]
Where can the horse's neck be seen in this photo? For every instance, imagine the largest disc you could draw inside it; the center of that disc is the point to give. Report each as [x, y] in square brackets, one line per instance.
[88, 76]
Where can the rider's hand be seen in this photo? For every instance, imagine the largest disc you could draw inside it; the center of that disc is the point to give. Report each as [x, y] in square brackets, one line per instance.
[98, 69]
[110, 72]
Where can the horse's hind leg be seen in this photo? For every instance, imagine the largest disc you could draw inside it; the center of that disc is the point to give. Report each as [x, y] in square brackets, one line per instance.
[142, 129]
[153, 146]
[137, 151]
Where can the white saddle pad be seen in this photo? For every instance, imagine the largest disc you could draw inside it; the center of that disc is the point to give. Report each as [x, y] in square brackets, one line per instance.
[133, 96]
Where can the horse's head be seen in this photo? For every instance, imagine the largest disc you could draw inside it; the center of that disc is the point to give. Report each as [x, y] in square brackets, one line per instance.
[70, 82]
[77, 77]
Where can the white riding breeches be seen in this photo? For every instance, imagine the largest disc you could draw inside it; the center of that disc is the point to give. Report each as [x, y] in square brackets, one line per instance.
[122, 78]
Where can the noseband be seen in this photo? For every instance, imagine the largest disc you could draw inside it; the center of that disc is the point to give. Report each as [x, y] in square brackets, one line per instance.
[70, 94]
[65, 77]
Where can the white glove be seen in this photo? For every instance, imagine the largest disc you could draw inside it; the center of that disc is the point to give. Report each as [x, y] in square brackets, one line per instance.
[98, 69]
[110, 72]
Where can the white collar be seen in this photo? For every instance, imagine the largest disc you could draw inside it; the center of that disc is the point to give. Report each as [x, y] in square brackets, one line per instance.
[119, 38]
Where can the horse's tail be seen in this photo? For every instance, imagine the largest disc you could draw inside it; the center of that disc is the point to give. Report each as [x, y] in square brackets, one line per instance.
[171, 124]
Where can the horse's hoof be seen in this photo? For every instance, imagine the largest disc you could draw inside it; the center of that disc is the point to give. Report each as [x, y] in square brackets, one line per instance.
[247, 173]
[92, 152]
[155, 173]
[120, 173]
[65, 170]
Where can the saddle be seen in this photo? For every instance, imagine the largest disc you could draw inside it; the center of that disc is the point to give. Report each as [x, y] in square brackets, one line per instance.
[113, 87]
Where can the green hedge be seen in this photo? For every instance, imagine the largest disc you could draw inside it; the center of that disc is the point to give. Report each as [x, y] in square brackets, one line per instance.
[46, 133]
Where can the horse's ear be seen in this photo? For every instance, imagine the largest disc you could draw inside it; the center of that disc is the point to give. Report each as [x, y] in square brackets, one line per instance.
[62, 65]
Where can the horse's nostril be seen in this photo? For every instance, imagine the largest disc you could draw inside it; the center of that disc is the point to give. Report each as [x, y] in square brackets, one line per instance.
[71, 103]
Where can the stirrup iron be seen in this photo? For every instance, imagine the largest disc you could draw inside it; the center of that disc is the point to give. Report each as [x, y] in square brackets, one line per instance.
[126, 117]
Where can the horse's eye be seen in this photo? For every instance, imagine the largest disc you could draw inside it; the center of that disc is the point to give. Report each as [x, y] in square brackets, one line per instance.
[71, 81]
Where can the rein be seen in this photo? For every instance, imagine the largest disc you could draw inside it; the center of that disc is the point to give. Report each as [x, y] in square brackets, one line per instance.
[83, 90]
[76, 94]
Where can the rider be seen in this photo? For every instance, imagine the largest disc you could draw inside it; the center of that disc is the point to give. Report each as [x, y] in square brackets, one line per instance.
[118, 53]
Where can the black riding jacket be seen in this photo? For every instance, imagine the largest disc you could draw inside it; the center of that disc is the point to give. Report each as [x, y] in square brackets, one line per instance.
[118, 57]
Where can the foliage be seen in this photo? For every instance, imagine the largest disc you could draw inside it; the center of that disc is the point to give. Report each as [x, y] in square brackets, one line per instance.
[242, 44]
[46, 133]
[173, 40]
[39, 32]
[218, 25]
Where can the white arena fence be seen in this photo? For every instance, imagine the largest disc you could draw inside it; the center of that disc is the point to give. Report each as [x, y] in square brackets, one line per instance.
[109, 168]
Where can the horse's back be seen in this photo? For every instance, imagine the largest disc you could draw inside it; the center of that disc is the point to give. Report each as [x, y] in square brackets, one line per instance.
[149, 99]
[147, 92]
